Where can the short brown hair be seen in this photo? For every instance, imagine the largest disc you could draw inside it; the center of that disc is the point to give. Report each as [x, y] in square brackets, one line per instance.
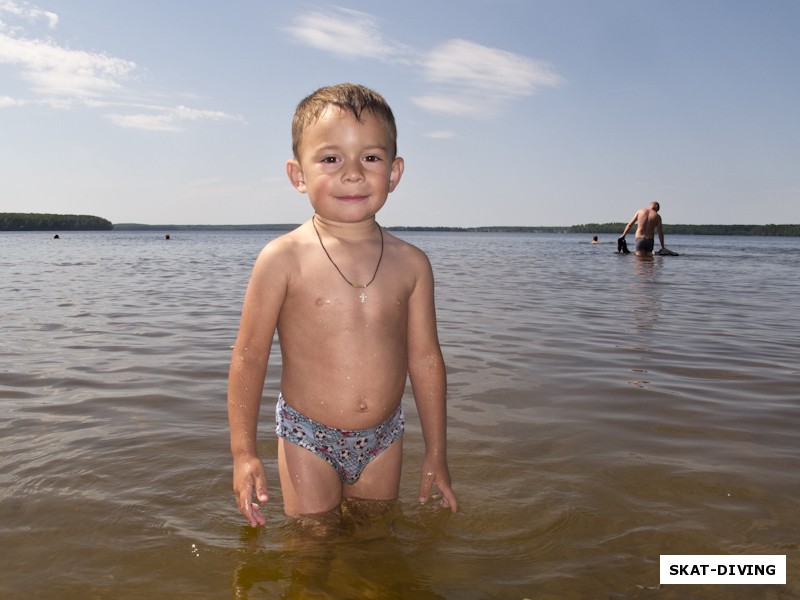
[346, 97]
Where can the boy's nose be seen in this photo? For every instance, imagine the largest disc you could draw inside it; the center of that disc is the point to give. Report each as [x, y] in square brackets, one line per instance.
[353, 172]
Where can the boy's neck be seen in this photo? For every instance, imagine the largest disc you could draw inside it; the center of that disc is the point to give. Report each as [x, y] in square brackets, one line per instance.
[346, 231]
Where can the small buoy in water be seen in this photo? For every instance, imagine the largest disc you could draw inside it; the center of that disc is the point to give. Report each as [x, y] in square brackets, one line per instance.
[167, 236]
[55, 237]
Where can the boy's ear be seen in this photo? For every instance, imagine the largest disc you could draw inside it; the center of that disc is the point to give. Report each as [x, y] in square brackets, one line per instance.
[295, 173]
[398, 164]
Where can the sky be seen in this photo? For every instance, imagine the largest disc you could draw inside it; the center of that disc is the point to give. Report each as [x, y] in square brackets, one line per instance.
[510, 112]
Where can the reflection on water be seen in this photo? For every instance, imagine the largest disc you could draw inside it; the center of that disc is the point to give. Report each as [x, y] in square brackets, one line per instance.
[604, 410]
[645, 291]
[345, 566]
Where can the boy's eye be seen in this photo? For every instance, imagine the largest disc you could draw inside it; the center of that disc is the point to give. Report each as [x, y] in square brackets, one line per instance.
[330, 159]
[372, 158]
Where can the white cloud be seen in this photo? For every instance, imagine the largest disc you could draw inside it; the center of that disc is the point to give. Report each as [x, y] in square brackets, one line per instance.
[440, 135]
[168, 119]
[471, 65]
[9, 101]
[51, 69]
[63, 78]
[349, 34]
[464, 78]
[448, 103]
[152, 122]
[471, 79]
[23, 10]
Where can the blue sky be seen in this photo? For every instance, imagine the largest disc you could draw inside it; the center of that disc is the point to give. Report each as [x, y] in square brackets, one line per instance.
[510, 112]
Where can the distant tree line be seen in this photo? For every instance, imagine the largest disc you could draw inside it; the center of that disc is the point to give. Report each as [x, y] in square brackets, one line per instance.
[616, 228]
[591, 228]
[51, 222]
[256, 227]
[485, 229]
[762, 230]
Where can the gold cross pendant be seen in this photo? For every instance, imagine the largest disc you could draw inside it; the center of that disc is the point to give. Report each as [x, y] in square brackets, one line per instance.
[363, 288]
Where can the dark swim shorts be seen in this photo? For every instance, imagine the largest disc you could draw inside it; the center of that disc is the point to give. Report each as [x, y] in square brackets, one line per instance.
[645, 244]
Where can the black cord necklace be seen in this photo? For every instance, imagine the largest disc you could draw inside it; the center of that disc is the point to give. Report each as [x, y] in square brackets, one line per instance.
[359, 286]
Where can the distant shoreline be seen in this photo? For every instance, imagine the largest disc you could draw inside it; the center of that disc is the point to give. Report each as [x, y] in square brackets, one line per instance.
[589, 229]
[53, 222]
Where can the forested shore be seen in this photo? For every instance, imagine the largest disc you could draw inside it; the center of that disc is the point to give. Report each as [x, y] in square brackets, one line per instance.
[591, 228]
[761, 230]
[54, 222]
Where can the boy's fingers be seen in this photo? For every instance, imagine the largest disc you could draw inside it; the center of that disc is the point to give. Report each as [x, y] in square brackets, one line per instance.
[425, 487]
[246, 508]
[258, 517]
[261, 488]
[446, 496]
[256, 484]
[449, 498]
[252, 512]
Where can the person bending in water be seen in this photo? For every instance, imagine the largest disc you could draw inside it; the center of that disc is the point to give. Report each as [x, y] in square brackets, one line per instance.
[354, 310]
[648, 221]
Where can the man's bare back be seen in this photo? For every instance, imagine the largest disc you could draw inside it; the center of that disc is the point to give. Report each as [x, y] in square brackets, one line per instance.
[647, 219]
[648, 222]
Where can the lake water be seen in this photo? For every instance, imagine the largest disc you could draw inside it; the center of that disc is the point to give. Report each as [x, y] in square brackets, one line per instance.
[603, 410]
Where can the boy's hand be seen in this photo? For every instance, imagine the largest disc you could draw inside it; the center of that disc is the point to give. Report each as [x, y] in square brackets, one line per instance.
[435, 472]
[249, 478]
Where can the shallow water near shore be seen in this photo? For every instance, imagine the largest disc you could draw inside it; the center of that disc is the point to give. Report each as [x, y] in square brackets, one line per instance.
[603, 410]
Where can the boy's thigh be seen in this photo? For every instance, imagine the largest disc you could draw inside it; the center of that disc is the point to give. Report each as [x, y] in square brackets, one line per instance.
[311, 486]
[380, 479]
[308, 483]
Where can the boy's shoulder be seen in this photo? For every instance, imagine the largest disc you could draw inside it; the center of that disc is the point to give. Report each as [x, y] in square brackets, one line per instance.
[285, 248]
[408, 259]
[407, 249]
[290, 240]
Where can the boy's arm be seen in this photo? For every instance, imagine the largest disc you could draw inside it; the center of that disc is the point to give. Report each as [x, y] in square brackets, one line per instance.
[429, 383]
[660, 232]
[249, 359]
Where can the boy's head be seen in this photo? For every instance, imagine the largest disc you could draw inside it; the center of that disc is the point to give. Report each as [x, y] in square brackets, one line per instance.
[655, 206]
[349, 97]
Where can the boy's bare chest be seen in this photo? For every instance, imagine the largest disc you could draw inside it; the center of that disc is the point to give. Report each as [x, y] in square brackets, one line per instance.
[356, 291]
[325, 300]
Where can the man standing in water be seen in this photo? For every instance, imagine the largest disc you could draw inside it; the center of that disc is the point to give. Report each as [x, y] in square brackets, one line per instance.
[648, 221]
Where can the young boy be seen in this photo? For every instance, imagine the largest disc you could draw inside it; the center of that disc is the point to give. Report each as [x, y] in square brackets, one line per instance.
[354, 310]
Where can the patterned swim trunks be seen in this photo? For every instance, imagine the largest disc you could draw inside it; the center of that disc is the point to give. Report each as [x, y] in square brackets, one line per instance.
[347, 451]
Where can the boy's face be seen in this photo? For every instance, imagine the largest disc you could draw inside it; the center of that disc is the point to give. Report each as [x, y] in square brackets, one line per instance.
[345, 166]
